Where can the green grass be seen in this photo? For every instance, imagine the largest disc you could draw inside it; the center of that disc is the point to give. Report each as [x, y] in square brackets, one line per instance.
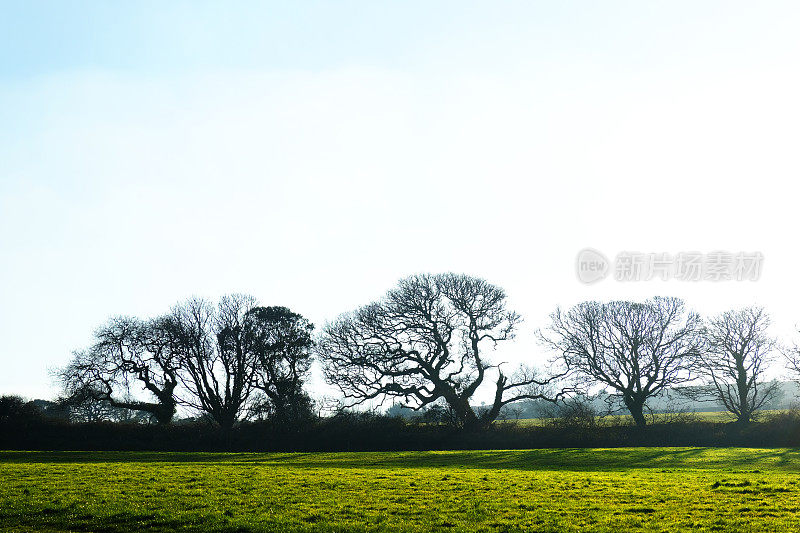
[625, 489]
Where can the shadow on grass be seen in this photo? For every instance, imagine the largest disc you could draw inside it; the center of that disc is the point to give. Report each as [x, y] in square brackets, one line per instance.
[584, 459]
[68, 519]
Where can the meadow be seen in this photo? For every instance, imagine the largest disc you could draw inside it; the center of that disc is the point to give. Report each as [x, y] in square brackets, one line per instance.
[620, 489]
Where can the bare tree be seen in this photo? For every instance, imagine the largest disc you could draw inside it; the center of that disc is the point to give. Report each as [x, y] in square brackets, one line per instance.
[281, 341]
[637, 350]
[791, 355]
[737, 352]
[428, 340]
[217, 363]
[127, 352]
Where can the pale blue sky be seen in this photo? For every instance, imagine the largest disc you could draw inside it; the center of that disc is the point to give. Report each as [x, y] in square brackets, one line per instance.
[312, 153]
[152, 38]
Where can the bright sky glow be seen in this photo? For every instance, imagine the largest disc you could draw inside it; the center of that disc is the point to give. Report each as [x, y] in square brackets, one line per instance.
[313, 153]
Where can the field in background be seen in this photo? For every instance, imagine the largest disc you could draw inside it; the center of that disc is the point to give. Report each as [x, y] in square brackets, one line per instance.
[704, 416]
[622, 489]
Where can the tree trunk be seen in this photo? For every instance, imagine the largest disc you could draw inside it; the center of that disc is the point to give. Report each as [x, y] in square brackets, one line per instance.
[164, 413]
[475, 423]
[226, 422]
[492, 414]
[636, 409]
[744, 405]
[466, 416]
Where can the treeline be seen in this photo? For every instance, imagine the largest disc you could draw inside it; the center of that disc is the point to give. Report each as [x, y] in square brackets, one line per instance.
[366, 431]
[226, 362]
[427, 345]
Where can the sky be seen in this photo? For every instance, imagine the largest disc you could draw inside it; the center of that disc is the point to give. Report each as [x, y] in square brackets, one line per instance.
[314, 153]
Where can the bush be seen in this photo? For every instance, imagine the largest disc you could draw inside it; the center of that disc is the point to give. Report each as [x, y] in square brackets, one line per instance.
[357, 431]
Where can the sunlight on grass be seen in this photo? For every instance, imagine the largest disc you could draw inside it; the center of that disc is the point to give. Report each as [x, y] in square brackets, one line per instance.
[627, 489]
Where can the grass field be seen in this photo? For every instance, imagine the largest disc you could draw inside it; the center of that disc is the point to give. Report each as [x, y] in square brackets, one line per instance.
[624, 489]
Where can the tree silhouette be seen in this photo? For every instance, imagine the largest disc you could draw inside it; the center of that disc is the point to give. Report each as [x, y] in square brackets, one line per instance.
[636, 350]
[426, 340]
[737, 351]
[281, 341]
[127, 352]
[217, 362]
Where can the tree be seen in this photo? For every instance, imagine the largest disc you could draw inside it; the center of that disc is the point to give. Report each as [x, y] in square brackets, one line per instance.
[15, 410]
[791, 356]
[637, 350]
[126, 351]
[737, 351]
[281, 341]
[217, 361]
[427, 340]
